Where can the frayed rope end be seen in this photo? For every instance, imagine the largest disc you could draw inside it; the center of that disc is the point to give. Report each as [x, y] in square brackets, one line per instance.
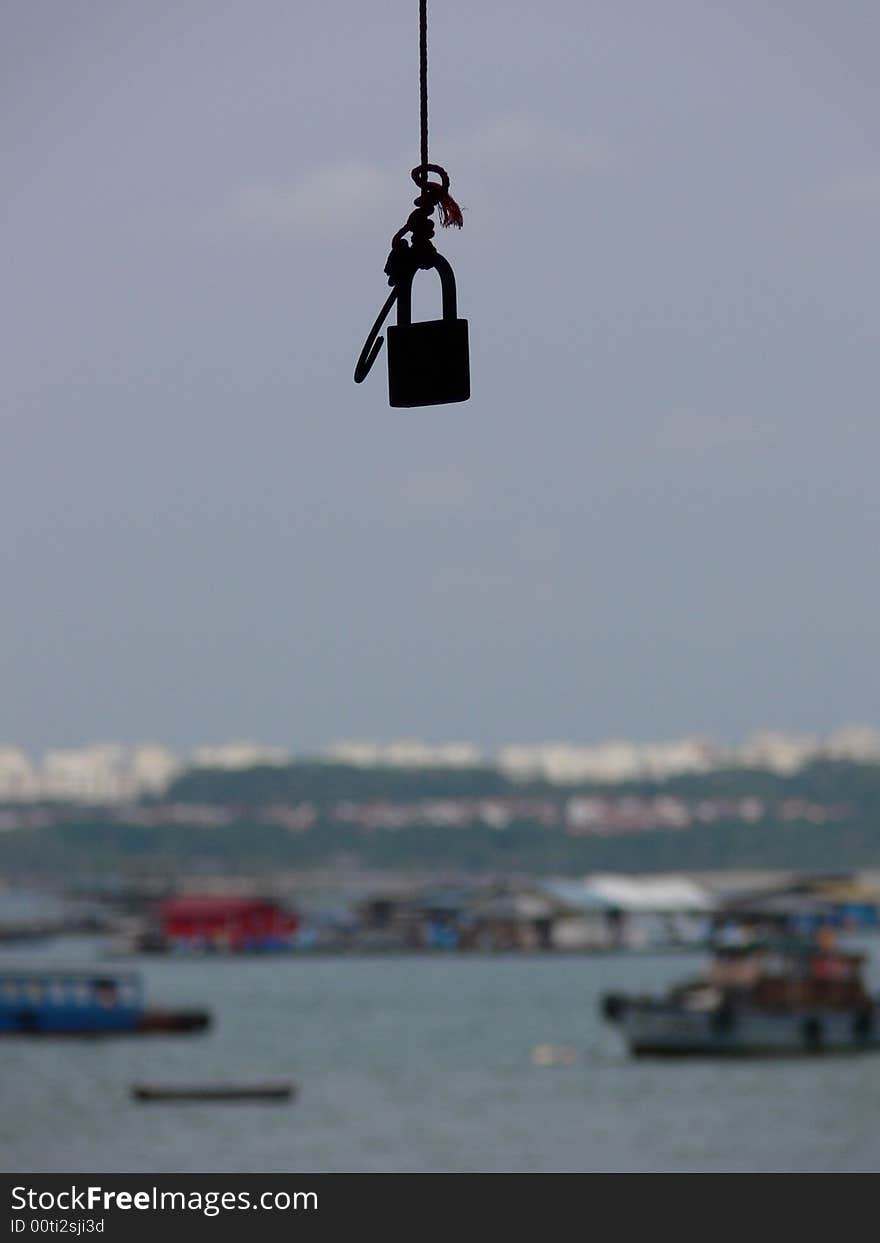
[449, 211]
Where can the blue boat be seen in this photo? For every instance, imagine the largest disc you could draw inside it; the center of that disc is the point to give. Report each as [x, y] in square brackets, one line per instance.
[84, 1003]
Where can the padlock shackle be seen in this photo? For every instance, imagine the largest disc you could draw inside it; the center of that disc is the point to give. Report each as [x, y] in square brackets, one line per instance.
[402, 295]
[447, 285]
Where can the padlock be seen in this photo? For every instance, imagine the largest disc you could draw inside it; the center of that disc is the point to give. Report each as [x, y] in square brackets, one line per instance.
[428, 362]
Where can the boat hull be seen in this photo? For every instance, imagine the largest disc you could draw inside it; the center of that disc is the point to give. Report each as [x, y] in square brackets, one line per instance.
[668, 1031]
[145, 1023]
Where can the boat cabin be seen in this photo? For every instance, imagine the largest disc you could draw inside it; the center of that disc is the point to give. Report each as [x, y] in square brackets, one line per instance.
[46, 1001]
[790, 977]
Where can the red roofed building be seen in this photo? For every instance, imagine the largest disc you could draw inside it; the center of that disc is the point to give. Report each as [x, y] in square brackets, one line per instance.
[230, 924]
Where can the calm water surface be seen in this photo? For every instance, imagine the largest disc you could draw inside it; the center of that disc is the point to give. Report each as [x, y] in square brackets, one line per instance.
[413, 1064]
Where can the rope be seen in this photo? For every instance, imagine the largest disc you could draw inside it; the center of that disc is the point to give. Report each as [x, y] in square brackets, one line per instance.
[423, 87]
[406, 257]
[450, 212]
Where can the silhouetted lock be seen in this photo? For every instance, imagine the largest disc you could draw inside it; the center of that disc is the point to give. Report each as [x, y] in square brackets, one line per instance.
[428, 362]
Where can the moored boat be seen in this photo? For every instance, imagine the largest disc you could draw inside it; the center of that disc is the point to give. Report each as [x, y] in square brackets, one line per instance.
[83, 1003]
[759, 1000]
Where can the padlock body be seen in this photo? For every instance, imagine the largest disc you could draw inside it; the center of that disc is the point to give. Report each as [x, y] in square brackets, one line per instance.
[428, 363]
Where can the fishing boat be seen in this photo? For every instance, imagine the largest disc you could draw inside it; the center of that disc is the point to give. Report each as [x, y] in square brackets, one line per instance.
[756, 1000]
[82, 1003]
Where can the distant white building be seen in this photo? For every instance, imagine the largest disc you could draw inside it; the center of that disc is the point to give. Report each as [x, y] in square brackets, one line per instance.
[108, 772]
[685, 755]
[406, 753]
[239, 755]
[19, 780]
[777, 752]
[565, 763]
[153, 767]
[854, 742]
[93, 774]
[100, 773]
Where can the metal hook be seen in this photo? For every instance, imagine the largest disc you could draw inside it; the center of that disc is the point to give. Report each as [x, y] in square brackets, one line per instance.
[373, 343]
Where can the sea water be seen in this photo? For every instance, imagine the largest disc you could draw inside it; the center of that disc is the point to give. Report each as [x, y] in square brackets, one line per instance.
[419, 1063]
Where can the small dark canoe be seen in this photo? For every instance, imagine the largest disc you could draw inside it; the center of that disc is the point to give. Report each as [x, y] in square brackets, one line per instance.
[195, 1093]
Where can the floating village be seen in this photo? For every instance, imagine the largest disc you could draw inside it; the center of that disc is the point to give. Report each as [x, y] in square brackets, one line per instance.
[781, 977]
[600, 913]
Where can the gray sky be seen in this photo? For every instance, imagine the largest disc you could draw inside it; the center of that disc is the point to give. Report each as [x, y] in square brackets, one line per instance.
[659, 512]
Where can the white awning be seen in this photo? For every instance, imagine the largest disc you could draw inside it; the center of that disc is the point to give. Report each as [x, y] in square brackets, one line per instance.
[654, 894]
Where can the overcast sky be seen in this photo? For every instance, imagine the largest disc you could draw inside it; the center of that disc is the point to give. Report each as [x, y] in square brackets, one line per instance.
[657, 515]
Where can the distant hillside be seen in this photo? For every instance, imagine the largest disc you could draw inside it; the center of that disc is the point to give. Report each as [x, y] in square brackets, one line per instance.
[324, 782]
[826, 817]
[90, 848]
[834, 781]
